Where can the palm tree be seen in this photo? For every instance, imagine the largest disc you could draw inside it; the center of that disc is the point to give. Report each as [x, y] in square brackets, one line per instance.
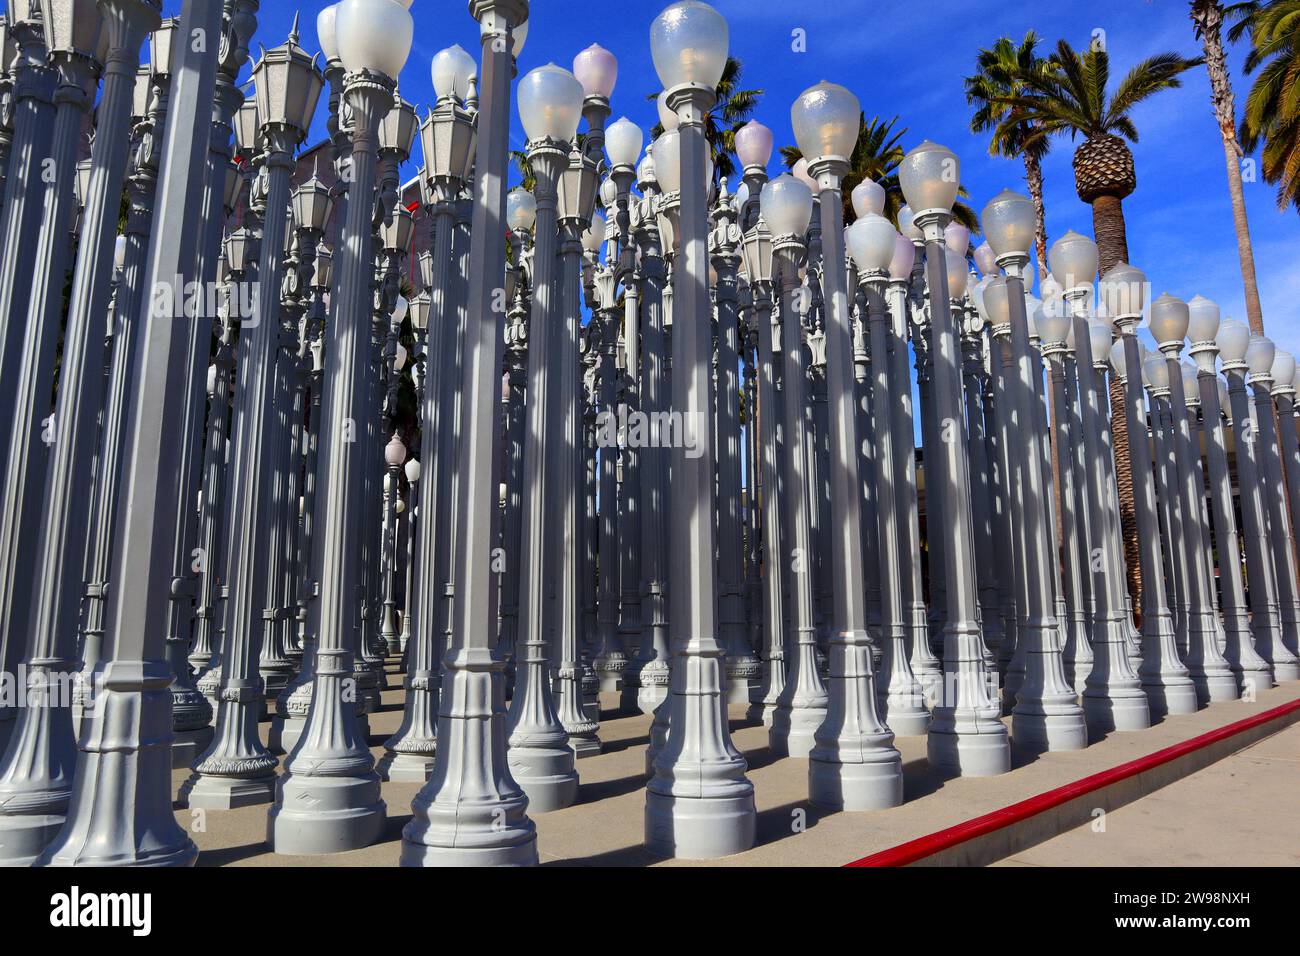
[732, 110]
[1272, 115]
[999, 69]
[876, 155]
[1072, 96]
[1207, 21]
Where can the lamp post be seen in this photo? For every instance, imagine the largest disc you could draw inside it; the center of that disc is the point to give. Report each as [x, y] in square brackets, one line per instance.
[1259, 358]
[125, 758]
[854, 764]
[699, 803]
[1168, 687]
[328, 798]
[966, 736]
[1170, 319]
[237, 770]
[471, 810]
[1250, 671]
[541, 761]
[871, 241]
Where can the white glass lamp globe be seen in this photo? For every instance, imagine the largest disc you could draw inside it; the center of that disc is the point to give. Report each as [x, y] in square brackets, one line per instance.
[623, 140]
[826, 119]
[871, 243]
[518, 37]
[395, 451]
[550, 104]
[754, 144]
[689, 41]
[668, 161]
[1034, 311]
[453, 70]
[997, 302]
[1050, 288]
[1232, 340]
[1202, 319]
[868, 198]
[1169, 320]
[1123, 290]
[976, 292]
[1283, 370]
[957, 274]
[1100, 340]
[1009, 223]
[742, 196]
[327, 31]
[373, 35]
[1073, 260]
[1191, 387]
[119, 253]
[907, 224]
[413, 470]
[986, 259]
[1155, 369]
[930, 175]
[608, 192]
[595, 233]
[786, 206]
[800, 172]
[900, 266]
[1054, 326]
[597, 70]
[957, 238]
[1259, 355]
[400, 309]
[667, 118]
[1118, 361]
[399, 357]
[521, 210]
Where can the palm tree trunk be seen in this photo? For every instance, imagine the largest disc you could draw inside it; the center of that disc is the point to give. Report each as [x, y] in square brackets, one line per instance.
[1208, 17]
[1112, 249]
[1034, 179]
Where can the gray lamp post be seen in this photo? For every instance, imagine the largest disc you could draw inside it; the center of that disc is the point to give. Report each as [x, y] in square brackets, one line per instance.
[786, 206]
[699, 804]
[854, 764]
[966, 736]
[236, 770]
[872, 242]
[1168, 687]
[541, 761]
[1283, 372]
[471, 810]
[125, 758]
[1259, 358]
[1209, 671]
[1251, 672]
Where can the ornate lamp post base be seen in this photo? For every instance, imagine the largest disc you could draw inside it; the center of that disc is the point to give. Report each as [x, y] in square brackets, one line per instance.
[876, 783]
[906, 715]
[544, 769]
[697, 827]
[968, 744]
[345, 813]
[406, 767]
[653, 686]
[207, 792]
[1108, 710]
[187, 745]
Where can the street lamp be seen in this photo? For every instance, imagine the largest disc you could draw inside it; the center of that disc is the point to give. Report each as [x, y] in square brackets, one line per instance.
[699, 804]
[854, 764]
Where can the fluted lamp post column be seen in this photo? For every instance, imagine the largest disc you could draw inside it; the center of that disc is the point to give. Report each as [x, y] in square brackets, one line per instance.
[328, 799]
[541, 761]
[472, 811]
[699, 803]
[966, 735]
[1168, 687]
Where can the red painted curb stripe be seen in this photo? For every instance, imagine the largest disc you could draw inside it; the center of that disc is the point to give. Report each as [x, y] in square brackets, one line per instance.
[932, 843]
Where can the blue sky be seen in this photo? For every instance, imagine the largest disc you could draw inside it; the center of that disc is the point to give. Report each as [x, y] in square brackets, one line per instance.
[1179, 220]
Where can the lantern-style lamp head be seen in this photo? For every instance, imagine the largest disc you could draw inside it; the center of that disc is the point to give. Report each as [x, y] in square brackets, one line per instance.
[826, 119]
[73, 26]
[374, 35]
[1073, 261]
[324, 271]
[1232, 339]
[757, 248]
[868, 198]
[930, 175]
[623, 141]
[1259, 356]
[904, 258]
[786, 206]
[312, 205]
[689, 42]
[1123, 291]
[1169, 321]
[521, 210]
[453, 71]
[398, 129]
[550, 104]
[237, 250]
[1202, 319]
[754, 145]
[161, 48]
[418, 310]
[597, 70]
[248, 129]
[396, 233]
[871, 243]
[288, 86]
[1009, 224]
